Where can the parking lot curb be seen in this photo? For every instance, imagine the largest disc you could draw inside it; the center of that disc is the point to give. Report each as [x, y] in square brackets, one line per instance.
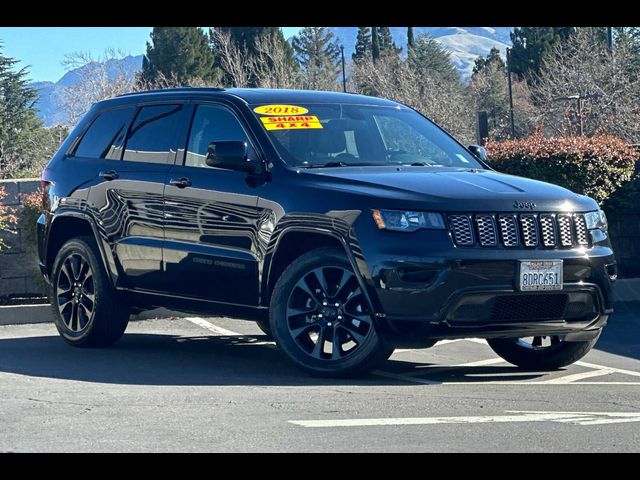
[43, 313]
[20, 314]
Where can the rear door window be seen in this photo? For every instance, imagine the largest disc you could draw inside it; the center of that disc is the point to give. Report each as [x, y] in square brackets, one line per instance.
[153, 137]
[104, 137]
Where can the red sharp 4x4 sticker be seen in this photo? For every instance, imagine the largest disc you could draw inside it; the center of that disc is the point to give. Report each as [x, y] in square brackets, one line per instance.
[289, 122]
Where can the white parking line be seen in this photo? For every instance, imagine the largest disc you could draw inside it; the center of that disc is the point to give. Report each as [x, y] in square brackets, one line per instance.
[577, 376]
[575, 418]
[616, 370]
[201, 322]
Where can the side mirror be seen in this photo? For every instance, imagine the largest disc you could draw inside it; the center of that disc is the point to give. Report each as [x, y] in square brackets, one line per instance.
[232, 156]
[479, 151]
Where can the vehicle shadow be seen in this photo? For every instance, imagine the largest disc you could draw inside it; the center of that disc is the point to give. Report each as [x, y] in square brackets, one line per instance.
[621, 336]
[156, 359]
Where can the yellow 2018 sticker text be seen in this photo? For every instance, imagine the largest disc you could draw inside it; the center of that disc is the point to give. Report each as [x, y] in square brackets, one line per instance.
[280, 110]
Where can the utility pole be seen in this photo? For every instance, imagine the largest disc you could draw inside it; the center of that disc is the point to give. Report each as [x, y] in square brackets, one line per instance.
[344, 77]
[610, 39]
[513, 125]
[580, 115]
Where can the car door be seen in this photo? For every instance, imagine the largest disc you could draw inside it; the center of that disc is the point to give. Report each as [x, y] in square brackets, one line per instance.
[211, 217]
[128, 199]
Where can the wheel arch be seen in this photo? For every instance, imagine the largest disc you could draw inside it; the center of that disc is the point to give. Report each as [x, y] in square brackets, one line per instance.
[71, 224]
[294, 241]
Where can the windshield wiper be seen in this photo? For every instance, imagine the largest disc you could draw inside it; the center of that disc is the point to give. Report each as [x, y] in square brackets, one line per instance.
[328, 165]
[337, 163]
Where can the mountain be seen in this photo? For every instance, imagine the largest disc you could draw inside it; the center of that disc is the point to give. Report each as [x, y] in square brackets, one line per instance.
[464, 43]
[52, 93]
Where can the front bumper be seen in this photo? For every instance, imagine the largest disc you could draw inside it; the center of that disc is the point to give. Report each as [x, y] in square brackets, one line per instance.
[420, 284]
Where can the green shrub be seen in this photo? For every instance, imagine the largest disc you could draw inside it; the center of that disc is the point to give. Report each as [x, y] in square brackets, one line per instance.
[594, 166]
[7, 218]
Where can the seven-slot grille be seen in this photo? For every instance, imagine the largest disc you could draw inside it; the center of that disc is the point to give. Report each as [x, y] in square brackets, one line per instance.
[548, 230]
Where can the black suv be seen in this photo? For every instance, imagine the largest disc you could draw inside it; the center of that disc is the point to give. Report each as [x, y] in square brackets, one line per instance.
[345, 225]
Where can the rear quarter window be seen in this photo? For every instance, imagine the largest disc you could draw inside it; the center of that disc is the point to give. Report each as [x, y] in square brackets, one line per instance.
[103, 139]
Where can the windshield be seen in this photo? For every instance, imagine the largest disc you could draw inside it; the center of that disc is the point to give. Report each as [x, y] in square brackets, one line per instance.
[334, 135]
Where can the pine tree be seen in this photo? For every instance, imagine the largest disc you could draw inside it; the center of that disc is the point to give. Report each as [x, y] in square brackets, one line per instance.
[387, 45]
[318, 55]
[532, 44]
[430, 58]
[363, 44]
[19, 123]
[182, 53]
[488, 88]
[375, 44]
[493, 58]
[410, 39]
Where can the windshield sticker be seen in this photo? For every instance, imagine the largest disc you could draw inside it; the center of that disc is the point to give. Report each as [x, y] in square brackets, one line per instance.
[289, 122]
[280, 110]
[461, 157]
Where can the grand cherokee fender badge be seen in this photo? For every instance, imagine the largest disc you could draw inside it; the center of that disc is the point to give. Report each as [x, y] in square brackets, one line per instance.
[529, 205]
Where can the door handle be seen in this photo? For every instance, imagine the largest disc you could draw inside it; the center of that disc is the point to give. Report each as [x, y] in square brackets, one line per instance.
[110, 175]
[181, 182]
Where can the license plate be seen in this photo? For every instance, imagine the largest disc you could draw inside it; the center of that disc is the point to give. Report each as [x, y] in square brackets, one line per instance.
[537, 275]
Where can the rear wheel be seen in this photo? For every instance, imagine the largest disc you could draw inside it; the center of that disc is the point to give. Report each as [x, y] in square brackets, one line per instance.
[88, 312]
[320, 319]
[541, 352]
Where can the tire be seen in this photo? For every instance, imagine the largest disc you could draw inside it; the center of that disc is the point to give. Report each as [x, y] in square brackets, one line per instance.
[265, 327]
[349, 325]
[98, 317]
[556, 355]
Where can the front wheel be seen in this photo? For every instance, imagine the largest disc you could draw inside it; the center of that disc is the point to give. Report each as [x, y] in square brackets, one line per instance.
[320, 319]
[541, 352]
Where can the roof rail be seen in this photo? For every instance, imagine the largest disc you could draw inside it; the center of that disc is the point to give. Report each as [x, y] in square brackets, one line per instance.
[173, 89]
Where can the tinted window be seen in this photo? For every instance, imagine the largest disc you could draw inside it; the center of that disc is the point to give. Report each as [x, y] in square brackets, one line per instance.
[104, 137]
[153, 137]
[211, 124]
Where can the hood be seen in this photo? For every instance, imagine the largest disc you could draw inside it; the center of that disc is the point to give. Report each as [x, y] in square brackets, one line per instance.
[452, 189]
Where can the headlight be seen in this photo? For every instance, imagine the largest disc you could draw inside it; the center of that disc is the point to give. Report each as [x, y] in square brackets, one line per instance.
[406, 221]
[596, 220]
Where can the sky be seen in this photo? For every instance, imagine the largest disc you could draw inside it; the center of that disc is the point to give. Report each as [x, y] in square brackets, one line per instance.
[43, 49]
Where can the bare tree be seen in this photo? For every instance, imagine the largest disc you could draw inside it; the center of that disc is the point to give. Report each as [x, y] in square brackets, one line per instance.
[236, 64]
[272, 65]
[268, 67]
[581, 82]
[97, 78]
[445, 102]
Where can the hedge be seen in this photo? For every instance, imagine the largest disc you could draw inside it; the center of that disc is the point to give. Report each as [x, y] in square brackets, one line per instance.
[594, 166]
[7, 218]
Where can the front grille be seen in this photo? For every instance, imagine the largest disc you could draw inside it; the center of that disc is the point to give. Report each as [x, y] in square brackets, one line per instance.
[525, 307]
[565, 228]
[581, 230]
[486, 230]
[461, 229]
[546, 230]
[529, 226]
[508, 230]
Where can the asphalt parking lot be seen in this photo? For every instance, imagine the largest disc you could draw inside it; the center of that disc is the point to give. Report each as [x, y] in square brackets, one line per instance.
[216, 384]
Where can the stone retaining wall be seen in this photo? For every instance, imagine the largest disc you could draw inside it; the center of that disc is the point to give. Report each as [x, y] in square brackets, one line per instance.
[19, 273]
